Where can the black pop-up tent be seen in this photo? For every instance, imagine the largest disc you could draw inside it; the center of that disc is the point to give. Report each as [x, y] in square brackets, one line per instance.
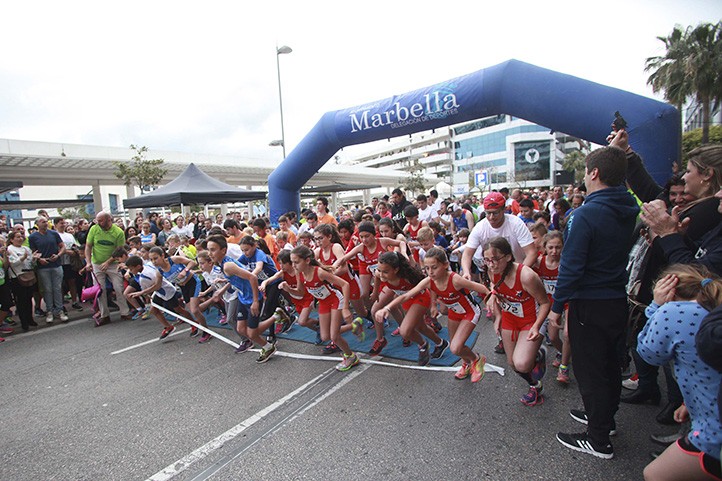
[193, 186]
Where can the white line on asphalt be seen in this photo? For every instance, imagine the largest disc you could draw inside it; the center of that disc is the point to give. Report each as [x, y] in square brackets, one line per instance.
[55, 327]
[145, 343]
[182, 464]
[283, 422]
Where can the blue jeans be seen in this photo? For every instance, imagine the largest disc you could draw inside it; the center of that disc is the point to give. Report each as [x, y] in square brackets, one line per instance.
[51, 279]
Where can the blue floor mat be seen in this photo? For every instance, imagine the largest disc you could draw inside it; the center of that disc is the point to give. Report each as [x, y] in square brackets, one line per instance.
[394, 348]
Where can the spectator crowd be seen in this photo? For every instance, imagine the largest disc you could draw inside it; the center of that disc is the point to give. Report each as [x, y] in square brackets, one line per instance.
[604, 282]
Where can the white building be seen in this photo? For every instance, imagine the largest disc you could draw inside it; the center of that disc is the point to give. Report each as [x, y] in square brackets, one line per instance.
[489, 153]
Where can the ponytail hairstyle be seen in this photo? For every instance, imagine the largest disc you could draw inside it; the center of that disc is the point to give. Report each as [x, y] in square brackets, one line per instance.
[249, 240]
[391, 223]
[158, 251]
[329, 230]
[204, 255]
[284, 257]
[503, 246]
[307, 254]
[437, 253]
[696, 282]
[367, 226]
[406, 271]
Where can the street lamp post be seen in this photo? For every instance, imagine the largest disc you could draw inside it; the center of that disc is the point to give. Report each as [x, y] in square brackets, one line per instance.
[279, 51]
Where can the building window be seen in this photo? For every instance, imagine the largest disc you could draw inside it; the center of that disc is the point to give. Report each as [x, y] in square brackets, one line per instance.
[113, 201]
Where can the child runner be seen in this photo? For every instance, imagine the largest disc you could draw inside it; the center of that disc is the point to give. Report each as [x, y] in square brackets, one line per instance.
[303, 304]
[538, 231]
[427, 240]
[453, 291]
[263, 267]
[411, 229]
[368, 252]
[329, 248]
[456, 249]
[177, 270]
[212, 280]
[246, 284]
[152, 282]
[547, 266]
[399, 276]
[518, 290]
[332, 304]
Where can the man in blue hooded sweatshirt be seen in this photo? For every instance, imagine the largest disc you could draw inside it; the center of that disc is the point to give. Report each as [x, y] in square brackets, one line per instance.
[592, 279]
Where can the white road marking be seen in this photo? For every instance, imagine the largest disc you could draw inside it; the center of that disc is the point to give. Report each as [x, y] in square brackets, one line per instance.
[283, 422]
[182, 464]
[151, 341]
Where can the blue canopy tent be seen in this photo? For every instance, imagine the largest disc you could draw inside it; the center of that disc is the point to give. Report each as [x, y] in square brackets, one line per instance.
[560, 102]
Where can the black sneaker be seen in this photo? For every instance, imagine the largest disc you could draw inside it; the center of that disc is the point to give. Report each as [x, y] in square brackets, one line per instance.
[77, 306]
[424, 356]
[499, 349]
[581, 417]
[194, 331]
[582, 443]
[39, 312]
[440, 349]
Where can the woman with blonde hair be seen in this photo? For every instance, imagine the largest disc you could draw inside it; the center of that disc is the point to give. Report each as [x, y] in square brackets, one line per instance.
[683, 296]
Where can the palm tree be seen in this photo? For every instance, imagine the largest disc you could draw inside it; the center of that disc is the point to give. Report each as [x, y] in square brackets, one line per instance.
[668, 71]
[703, 65]
[691, 65]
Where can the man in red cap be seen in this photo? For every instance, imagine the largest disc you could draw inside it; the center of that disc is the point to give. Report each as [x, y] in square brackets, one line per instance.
[498, 224]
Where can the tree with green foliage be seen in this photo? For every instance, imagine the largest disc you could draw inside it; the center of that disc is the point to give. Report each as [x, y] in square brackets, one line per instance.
[74, 213]
[415, 182]
[145, 173]
[574, 162]
[693, 139]
[691, 66]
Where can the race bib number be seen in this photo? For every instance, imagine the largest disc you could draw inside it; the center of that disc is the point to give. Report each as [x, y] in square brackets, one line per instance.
[456, 307]
[513, 308]
[399, 292]
[320, 292]
[549, 285]
[372, 268]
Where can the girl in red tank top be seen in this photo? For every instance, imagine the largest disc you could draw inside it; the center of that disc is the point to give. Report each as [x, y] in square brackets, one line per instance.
[547, 267]
[452, 290]
[332, 305]
[302, 303]
[368, 252]
[517, 290]
[398, 277]
[328, 250]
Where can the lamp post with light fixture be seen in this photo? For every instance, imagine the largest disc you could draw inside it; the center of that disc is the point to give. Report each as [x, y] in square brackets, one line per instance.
[280, 51]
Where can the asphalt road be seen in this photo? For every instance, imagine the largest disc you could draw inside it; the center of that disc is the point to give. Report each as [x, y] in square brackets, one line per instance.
[73, 408]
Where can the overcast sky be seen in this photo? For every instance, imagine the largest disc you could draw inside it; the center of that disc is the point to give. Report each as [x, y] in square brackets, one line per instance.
[201, 76]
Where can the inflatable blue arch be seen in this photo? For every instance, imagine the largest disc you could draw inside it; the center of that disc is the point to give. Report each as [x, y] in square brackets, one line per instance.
[560, 102]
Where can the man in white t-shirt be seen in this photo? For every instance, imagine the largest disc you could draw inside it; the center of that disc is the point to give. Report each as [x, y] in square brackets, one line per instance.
[426, 212]
[498, 224]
